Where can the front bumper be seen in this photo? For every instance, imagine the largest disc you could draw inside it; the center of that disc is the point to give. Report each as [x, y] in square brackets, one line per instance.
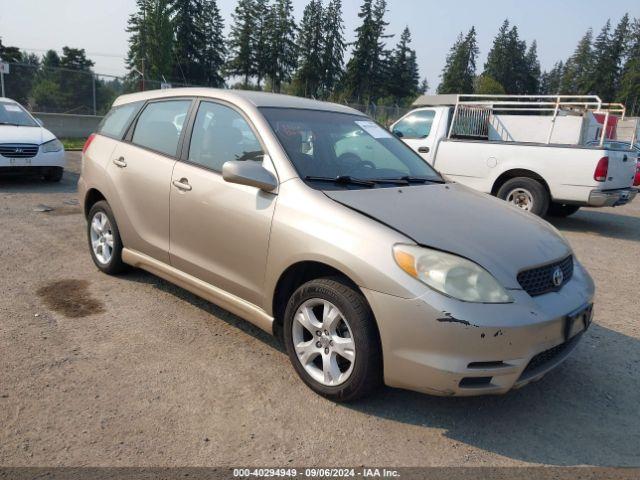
[41, 159]
[611, 198]
[437, 345]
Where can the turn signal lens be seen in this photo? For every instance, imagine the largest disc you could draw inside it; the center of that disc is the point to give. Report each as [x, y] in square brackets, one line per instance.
[88, 142]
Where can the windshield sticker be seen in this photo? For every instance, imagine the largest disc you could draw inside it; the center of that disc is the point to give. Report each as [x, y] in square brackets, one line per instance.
[12, 108]
[373, 129]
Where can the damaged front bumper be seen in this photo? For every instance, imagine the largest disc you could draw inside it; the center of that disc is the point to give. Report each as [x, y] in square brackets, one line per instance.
[442, 346]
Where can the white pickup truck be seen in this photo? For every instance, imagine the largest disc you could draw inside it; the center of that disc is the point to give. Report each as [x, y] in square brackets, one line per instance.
[528, 150]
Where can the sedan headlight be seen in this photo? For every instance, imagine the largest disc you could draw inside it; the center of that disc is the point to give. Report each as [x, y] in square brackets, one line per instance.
[451, 275]
[52, 146]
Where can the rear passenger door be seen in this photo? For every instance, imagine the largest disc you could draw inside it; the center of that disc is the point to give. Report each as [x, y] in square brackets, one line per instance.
[220, 230]
[141, 169]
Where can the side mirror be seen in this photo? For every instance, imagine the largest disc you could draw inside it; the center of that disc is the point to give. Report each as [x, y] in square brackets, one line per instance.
[39, 122]
[249, 172]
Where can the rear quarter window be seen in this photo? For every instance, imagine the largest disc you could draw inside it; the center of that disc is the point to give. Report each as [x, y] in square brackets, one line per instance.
[116, 122]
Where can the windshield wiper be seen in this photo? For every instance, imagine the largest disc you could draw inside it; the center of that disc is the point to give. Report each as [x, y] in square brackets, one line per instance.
[253, 155]
[11, 123]
[342, 180]
[406, 180]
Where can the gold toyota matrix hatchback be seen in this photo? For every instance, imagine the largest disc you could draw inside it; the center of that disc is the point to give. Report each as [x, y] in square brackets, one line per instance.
[314, 223]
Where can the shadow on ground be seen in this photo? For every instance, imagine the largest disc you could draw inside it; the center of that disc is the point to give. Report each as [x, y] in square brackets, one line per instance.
[585, 412]
[35, 184]
[604, 223]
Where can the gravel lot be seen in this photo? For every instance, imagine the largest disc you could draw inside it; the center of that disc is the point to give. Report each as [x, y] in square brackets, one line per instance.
[132, 371]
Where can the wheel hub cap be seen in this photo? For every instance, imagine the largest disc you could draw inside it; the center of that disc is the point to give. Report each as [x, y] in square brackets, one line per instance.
[521, 198]
[323, 342]
[101, 235]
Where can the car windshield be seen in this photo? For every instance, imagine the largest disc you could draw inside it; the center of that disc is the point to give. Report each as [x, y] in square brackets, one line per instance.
[337, 150]
[13, 114]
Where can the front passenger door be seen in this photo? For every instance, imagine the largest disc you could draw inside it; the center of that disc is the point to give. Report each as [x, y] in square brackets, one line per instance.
[220, 230]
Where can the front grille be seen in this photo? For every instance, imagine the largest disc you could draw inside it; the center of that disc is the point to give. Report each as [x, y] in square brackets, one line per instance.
[18, 151]
[541, 360]
[537, 281]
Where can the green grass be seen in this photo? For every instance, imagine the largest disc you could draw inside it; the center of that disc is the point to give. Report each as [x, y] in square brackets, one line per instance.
[73, 143]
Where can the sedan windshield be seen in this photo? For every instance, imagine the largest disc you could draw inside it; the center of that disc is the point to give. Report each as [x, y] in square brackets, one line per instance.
[13, 114]
[337, 150]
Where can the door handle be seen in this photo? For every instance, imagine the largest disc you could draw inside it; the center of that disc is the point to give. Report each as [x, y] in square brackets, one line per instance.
[424, 150]
[182, 184]
[120, 162]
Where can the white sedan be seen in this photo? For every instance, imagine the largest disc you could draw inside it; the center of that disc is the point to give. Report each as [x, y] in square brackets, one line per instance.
[26, 146]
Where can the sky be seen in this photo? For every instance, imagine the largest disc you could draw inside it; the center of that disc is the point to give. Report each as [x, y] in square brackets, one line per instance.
[98, 26]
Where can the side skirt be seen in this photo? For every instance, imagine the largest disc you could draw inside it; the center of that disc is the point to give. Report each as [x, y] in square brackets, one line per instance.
[226, 300]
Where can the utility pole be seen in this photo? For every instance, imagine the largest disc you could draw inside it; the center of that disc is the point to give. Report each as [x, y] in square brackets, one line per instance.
[93, 81]
[2, 76]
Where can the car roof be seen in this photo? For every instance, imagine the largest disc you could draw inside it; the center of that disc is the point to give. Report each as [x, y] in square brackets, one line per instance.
[5, 99]
[239, 97]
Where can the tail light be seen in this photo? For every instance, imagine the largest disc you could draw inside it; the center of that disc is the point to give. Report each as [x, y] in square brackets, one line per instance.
[602, 169]
[88, 142]
[636, 181]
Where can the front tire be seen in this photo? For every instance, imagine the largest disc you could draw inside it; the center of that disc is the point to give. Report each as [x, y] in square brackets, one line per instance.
[560, 210]
[332, 340]
[526, 193]
[105, 244]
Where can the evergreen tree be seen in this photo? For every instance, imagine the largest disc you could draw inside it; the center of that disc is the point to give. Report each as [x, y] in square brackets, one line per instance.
[282, 49]
[506, 61]
[532, 78]
[629, 91]
[308, 78]
[190, 42]
[576, 77]
[424, 87]
[551, 81]
[241, 41]
[151, 39]
[215, 51]
[459, 71]
[403, 83]
[366, 70]
[608, 55]
[9, 54]
[334, 46]
[261, 39]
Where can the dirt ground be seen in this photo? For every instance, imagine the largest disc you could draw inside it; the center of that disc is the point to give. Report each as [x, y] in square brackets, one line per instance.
[132, 371]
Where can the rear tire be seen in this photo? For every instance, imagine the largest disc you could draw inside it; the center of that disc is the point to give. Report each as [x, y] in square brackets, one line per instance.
[561, 210]
[526, 193]
[53, 174]
[341, 327]
[105, 244]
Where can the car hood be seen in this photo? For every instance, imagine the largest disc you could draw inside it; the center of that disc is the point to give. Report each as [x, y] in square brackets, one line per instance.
[453, 218]
[33, 135]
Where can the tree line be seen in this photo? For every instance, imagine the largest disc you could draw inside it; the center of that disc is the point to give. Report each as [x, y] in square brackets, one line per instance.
[608, 66]
[267, 49]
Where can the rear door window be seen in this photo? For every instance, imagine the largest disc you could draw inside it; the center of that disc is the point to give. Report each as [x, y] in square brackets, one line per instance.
[115, 123]
[159, 126]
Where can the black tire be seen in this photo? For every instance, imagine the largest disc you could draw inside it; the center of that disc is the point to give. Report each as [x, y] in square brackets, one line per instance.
[53, 174]
[366, 375]
[537, 191]
[561, 210]
[115, 265]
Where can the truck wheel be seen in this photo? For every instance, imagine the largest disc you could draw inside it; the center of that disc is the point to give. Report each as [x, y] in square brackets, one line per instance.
[332, 340]
[105, 244]
[560, 210]
[527, 194]
[53, 174]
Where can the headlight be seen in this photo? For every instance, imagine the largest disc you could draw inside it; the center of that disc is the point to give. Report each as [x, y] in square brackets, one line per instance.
[454, 276]
[52, 146]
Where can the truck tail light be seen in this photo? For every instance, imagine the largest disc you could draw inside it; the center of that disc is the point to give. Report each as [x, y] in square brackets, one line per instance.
[636, 181]
[88, 142]
[602, 169]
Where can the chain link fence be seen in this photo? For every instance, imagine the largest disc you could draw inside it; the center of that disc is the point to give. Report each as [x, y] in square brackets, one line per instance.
[62, 95]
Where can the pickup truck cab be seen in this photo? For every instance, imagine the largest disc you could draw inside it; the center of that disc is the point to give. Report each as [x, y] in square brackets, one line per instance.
[533, 152]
